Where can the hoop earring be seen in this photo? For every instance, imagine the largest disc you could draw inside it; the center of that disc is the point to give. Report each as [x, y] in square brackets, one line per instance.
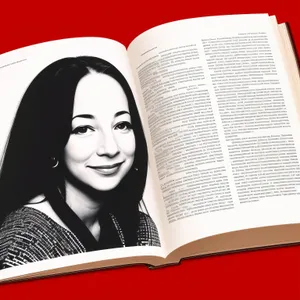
[55, 162]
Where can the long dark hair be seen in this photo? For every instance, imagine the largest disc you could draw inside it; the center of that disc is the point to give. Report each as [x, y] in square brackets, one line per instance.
[41, 130]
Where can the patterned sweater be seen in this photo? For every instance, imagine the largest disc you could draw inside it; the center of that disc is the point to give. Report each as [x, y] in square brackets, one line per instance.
[29, 235]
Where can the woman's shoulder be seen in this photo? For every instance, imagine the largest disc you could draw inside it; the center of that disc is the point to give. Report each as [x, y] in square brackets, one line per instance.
[28, 234]
[24, 225]
[19, 220]
[28, 217]
[43, 206]
[18, 233]
[147, 231]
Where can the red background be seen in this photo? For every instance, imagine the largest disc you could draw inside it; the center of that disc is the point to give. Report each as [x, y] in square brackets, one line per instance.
[261, 274]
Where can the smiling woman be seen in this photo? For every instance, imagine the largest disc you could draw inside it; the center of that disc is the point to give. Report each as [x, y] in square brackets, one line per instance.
[101, 147]
[75, 166]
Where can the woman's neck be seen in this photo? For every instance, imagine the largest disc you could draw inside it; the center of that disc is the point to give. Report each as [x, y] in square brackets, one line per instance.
[86, 208]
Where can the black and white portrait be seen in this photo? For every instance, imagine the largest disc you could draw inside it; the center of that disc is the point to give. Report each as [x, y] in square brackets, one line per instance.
[74, 167]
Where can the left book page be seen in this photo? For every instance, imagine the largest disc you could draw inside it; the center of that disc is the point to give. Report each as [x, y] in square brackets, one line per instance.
[74, 175]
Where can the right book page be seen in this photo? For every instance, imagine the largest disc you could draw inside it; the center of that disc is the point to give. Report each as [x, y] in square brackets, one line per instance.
[223, 122]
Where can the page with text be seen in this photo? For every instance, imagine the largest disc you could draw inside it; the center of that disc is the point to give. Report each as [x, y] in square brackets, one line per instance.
[223, 124]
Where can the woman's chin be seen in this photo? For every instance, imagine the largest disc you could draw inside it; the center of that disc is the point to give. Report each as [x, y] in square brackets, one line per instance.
[104, 185]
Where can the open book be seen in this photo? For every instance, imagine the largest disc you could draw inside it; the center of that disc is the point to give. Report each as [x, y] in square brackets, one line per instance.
[218, 99]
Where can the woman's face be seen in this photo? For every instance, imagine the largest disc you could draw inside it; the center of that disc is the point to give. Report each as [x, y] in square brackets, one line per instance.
[101, 147]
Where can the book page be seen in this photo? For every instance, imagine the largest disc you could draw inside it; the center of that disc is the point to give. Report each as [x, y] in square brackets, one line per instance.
[223, 122]
[99, 154]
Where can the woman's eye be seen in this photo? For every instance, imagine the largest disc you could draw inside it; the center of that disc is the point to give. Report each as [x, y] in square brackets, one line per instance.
[82, 130]
[123, 126]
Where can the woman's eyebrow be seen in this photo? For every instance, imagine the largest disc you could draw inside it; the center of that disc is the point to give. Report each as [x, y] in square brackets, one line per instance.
[119, 113]
[84, 116]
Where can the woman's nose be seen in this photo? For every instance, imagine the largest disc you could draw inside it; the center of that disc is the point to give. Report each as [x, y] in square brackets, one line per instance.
[107, 145]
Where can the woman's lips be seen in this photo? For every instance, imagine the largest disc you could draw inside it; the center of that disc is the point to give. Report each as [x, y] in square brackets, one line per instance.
[107, 169]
